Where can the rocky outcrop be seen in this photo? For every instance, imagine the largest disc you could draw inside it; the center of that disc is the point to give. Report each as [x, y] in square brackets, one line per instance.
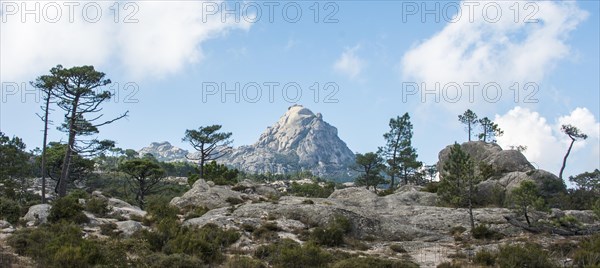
[510, 168]
[300, 140]
[503, 161]
[128, 228]
[206, 194]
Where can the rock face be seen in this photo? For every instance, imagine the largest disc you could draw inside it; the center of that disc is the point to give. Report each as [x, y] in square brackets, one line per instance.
[164, 151]
[300, 140]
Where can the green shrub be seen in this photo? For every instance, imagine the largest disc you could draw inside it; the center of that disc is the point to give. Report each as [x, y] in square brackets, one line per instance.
[527, 255]
[333, 234]
[385, 192]
[62, 245]
[160, 209]
[267, 231]
[10, 210]
[588, 254]
[566, 221]
[108, 229]
[457, 230]
[97, 206]
[207, 243]
[308, 202]
[78, 194]
[67, 209]
[485, 257]
[370, 262]
[160, 260]
[312, 190]
[234, 201]
[596, 208]
[238, 261]
[287, 253]
[483, 232]
[397, 248]
[196, 213]
[447, 264]
[220, 174]
[431, 187]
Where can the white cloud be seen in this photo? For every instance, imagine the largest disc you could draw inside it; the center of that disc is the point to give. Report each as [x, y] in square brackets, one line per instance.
[167, 36]
[504, 51]
[546, 144]
[349, 64]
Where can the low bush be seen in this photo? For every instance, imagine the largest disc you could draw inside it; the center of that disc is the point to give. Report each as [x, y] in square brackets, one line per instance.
[62, 245]
[238, 261]
[431, 187]
[97, 206]
[527, 255]
[588, 253]
[290, 254]
[312, 190]
[160, 209]
[485, 257]
[457, 230]
[234, 201]
[370, 262]
[448, 264]
[10, 210]
[385, 192]
[160, 260]
[333, 234]
[196, 212]
[397, 248]
[67, 209]
[267, 231]
[207, 243]
[483, 232]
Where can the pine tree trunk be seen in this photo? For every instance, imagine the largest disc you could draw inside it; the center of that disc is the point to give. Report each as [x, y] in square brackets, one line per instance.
[64, 175]
[564, 164]
[46, 112]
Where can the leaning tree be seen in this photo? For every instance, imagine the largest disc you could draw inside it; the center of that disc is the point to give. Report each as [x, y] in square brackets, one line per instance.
[78, 92]
[575, 134]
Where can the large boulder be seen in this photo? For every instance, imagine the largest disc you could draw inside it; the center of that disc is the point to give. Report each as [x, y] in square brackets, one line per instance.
[128, 228]
[503, 161]
[37, 214]
[204, 194]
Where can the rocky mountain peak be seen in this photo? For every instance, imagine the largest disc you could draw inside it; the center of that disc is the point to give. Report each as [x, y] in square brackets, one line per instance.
[299, 140]
[164, 151]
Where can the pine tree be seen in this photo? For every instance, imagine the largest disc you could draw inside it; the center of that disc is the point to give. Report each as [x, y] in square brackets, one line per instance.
[400, 156]
[469, 118]
[489, 130]
[458, 181]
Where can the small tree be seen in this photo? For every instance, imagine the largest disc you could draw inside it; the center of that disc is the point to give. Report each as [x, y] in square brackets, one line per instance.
[14, 167]
[469, 118]
[145, 175]
[575, 134]
[210, 144]
[588, 181]
[489, 130]
[458, 181]
[371, 166]
[80, 167]
[526, 198]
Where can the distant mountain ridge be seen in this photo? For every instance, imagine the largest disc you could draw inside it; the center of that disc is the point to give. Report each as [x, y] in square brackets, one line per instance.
[299, 141]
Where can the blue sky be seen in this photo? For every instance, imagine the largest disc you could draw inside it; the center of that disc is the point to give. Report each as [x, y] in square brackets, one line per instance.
[370, 52]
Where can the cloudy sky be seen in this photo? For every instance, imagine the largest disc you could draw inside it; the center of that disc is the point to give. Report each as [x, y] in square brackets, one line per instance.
[530, 66]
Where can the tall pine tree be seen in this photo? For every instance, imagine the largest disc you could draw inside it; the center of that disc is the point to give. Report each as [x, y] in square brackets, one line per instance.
[400, 156]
